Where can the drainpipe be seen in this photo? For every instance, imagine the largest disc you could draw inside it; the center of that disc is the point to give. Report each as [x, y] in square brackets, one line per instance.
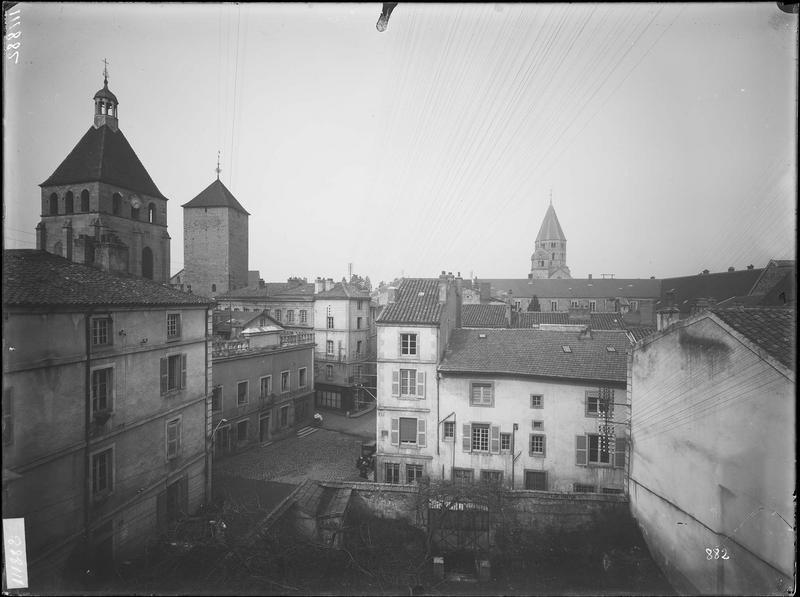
[87, 422]
[513, 457]
[205, 418]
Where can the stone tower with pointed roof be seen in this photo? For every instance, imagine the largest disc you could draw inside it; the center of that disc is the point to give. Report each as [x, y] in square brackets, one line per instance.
[549, 259]
[215, 241]
[100, 206]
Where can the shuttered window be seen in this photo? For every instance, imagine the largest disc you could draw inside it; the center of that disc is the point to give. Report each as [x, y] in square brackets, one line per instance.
[408, 430]
[408, 383]
[173, 373]
[619, 452]
[580, 450]
[482, 394]
[173, 438]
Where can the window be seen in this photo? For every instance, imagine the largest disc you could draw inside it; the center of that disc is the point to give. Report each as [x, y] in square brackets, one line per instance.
[241, 431]
[151, 213]
[505, 442]
[266, 312]
[134, 213]
[216, 398]
[583, 488]
[329, 348]
[103, 472]
[537, 447]
[277, 314]
[53, 204]
[481, 394]
[536, 480]
[290, 316]
[303, 316]
[329, 371]
[554, 305]
[449, 431]
[173, 438]
[634, 305]
[480, 438]
[463, 475]
[69, 203]
[408, 382]
[284, 415]
[360, 305]
[173, 373]
[173, 326]
[101, 331]
[413, 473]
[116, 204]
[102, 388]
[598, 450]
[575, 304]
[566, 348]
[242, 392]
[330, 322]
[85, 200]
[612, 490]
[408, 431]
[599, 402]
[592, 305]
[265, 384]
[408, 344]
[537, 401]
[358, 323]
[492, 477]
[301, 377]
[392, 472]
[358, 346]
[285, 382]
[538, 425]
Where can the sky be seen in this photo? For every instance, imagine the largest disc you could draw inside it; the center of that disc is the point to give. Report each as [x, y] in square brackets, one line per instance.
[664, 134]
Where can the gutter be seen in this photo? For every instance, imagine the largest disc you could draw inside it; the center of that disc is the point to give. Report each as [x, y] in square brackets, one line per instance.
[87, 416]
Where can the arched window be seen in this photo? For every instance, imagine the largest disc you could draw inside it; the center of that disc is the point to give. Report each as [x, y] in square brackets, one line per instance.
[69, 203]
[213, 288]
[116, 204]
[151, 213]
[147, 263]
[53, 204]
[134, 213]
[84, 200]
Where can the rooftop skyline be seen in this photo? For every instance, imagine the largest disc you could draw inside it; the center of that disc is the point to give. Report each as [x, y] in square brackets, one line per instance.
[665, 134]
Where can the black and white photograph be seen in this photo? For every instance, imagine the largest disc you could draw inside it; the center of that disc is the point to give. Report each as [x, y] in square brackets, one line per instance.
[399, 298]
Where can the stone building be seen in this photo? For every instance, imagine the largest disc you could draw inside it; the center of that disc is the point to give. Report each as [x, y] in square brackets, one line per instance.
[100, 207]
[712, 471]
[105, 418]
[549, 259]
[215, 242]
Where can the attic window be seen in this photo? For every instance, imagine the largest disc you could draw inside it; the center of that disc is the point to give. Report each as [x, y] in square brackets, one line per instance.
[421, 294]
[566, 348]
[611, 349]
[481, 335]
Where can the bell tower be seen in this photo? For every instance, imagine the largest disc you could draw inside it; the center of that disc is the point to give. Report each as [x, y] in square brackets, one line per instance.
[106, 105]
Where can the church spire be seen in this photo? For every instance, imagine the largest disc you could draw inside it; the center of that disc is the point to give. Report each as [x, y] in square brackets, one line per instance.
[105, 104]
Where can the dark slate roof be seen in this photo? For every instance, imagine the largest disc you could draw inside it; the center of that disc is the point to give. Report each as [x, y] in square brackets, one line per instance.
[775, 272]
[269, 290]
[607, 321]
[216, 195]
[528, 319]
[416, 302]
[770, 328]
[633, 288]
[538, 353]
[483, 316]
[718, 286]
[106, 156]
[106, 93]
[638, 332]
[343, 290]
[550, 229]
[36, 278]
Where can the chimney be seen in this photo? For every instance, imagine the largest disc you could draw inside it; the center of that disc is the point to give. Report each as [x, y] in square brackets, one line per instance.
[391, 295]
[666, 317]
[705, 272]
[262, 284]
[319, 285]
[586, 333]
[750, 266]
[731, 269]
[328, 283]
[590, 276]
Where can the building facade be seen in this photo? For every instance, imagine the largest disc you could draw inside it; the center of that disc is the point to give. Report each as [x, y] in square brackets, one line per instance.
[263, 385]
[215, 242]
[712, 474]
[290, 303]
[100, 207]
[344, 362]
[105, 418]
[413, 331]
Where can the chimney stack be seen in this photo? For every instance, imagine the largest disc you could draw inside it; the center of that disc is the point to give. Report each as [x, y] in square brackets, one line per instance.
[328, 283]
[590, 276]
[391, 295]
[319, 285]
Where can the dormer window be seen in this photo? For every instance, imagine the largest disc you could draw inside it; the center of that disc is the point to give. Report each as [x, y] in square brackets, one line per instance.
[566, 348]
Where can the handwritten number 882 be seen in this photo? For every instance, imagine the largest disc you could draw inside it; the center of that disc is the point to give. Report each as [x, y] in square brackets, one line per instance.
[717, 554]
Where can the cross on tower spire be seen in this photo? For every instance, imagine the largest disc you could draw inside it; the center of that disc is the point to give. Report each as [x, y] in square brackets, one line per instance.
[218, 168]
[551, 196]
[105, 71]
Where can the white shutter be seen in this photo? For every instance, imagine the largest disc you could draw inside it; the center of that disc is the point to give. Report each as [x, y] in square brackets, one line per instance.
[395, 431]
[396, 383]
[421, 385]
[421, 439]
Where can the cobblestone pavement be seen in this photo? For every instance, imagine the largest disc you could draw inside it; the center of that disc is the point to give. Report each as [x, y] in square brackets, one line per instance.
[324, 455]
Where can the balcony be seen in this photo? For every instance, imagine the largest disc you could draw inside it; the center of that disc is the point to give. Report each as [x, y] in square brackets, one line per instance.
[295, 338]
[227, 348]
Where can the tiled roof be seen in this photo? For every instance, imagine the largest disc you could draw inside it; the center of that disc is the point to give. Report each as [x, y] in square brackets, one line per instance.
[771, 328]
[37, 278]
[775, 272]
[483, 316]
[216, 195]
[634, 288]
[528, 319]
[607, 321]
[416, 302]
[342, 290]
[718, 286]
[269, 290]
[640, 331]
[106, 156]
[538, 353]
[550, 229]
